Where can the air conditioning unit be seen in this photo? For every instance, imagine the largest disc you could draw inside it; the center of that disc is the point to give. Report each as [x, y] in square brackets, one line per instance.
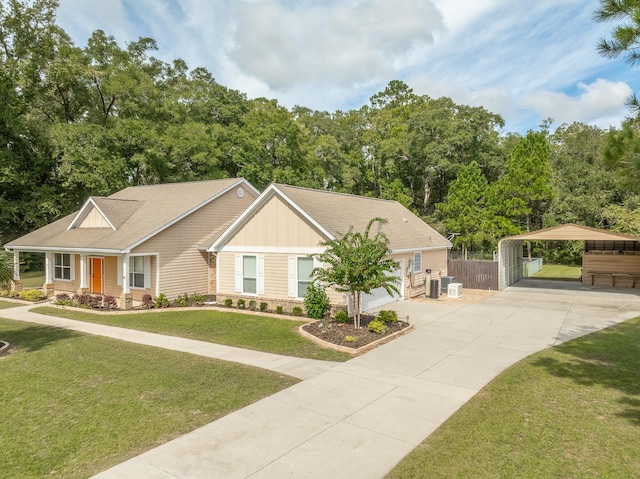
[454, 290]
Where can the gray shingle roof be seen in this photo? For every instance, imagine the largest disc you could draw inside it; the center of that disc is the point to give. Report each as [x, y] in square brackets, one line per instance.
[337, 212]
[136, 213]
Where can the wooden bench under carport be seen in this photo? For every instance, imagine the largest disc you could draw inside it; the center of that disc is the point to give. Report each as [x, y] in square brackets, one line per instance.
[610, 259]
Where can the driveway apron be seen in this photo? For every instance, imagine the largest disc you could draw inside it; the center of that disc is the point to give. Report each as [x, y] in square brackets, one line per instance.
[360, 418]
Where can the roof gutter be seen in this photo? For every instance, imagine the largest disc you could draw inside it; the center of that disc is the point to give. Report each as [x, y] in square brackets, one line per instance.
[45, 249]
[420, 248]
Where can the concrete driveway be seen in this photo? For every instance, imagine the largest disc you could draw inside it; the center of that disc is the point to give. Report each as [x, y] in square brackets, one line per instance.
[360, 418]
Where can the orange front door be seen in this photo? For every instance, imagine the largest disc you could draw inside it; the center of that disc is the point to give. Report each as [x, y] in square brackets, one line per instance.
[95, 276]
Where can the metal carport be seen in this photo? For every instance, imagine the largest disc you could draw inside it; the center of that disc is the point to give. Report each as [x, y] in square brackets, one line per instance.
[611, 255]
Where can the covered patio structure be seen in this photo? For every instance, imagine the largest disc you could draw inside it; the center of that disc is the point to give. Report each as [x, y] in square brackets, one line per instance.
[609, 259]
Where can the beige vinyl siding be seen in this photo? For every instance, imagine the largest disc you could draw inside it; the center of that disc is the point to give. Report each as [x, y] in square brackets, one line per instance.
[226, 273]
[277, 225]
[68, 286]
[276, 274]
[137, 293]
[415, 283]
[94, 220]
[183, 267]
[276, 277]
[111, 288]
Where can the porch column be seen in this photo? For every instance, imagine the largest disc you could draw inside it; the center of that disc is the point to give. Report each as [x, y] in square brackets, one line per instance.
[48, 288]
[126, 298]
[84, 285]
[17, 284]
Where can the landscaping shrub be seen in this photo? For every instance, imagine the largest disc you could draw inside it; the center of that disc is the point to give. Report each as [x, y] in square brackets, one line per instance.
[350, 339]
[161, 301]
[297, 311]
[196, 299]
[109, 302]
[241, 303]
[83, 300]
[279, 309]
[377, 326]
[182, 301]
[316, 301]
[388, 316]
[341, 316]
[252, 305]
[263, 306]
[147, 301]
[31, 295]
[63, 299]
[228, 302]
[95, 301]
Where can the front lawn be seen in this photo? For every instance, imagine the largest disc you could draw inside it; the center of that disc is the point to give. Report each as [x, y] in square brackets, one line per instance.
[32, 279]
[571, 411]
[9, 304]
[260, 333]
[74, 404]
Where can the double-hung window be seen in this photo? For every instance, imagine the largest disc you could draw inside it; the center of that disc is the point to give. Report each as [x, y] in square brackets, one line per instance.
[249, 274]
[136, 271]
[417, 262]
[304, 269]
[62, 266]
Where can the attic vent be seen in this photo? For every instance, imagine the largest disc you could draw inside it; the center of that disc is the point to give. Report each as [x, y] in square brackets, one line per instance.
[240, 192]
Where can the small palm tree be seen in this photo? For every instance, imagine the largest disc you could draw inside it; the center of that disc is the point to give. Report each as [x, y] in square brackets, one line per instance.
[6, 270]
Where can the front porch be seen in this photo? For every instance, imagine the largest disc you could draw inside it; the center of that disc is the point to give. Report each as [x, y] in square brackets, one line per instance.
[126, 277]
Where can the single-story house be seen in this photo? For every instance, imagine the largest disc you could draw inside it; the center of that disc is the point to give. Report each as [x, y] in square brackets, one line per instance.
[141, 240]
[265, 255]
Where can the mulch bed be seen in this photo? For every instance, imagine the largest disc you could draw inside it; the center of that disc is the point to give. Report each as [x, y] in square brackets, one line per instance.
[336, 332]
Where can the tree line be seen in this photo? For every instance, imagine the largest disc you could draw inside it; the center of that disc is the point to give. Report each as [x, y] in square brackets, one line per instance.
[89, 120]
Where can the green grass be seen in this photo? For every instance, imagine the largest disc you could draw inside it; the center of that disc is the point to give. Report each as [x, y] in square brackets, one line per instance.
[260, 333]
[9, 304]
[559, 271]
[32, 279]
[74, 404]
[568, 412]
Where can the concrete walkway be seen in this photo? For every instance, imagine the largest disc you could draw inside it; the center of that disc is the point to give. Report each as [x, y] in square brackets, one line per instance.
[297, 367]
[360, 418]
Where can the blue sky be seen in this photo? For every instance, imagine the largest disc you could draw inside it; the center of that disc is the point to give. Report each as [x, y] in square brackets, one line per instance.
[526, 60]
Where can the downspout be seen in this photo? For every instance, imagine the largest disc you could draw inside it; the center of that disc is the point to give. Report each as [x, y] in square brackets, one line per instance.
[157, 274]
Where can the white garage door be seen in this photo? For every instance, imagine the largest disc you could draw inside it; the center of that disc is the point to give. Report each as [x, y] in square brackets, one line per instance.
[380, 297]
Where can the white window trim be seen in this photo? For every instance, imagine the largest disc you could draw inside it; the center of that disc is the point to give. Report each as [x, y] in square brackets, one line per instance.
[294, 281]
[239, 274]
[417, 262]
[72, 267]
[146, 271]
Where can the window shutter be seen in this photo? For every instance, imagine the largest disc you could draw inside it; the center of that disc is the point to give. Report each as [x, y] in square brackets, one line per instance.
[293, 286]
[147, 272]
[72, 264]
[238, 273]
[260, 274]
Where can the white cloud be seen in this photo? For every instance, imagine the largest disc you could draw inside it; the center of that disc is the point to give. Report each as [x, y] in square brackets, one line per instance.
[517, 59]
[287, 45]
[596, 103]
[81, 18]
